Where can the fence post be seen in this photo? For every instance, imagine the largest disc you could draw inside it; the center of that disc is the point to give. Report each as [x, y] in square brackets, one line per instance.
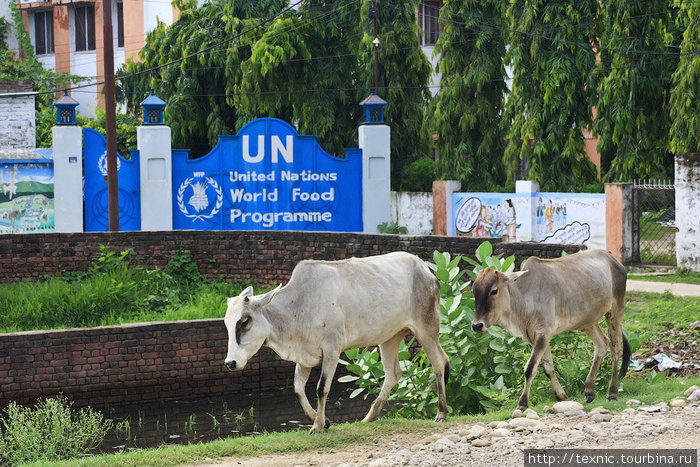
[687, 181]
[68, 178]
[153, 140]
[374, 138]
[526, 232]
[618, 220]
[442, 206]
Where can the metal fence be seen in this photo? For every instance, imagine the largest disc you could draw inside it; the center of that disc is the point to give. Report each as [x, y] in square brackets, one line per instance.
[654, 222]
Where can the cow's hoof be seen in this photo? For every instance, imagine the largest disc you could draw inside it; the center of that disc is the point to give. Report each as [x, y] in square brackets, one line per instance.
[612, 397]
[327, 424]
[440, 418]
[589, 398]
[561, 397]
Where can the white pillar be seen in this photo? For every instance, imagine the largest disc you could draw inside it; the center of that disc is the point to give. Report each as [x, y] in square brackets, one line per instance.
[687, 182]
[155, 162]
[68, 178]
[526, 232]
[375, 142]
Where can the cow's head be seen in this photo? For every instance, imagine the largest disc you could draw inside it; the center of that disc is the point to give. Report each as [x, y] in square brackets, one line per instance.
[491, 297]
[247, 326]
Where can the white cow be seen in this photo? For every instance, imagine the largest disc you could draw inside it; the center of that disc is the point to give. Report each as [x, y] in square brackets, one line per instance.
[331, 306]
[551, 296]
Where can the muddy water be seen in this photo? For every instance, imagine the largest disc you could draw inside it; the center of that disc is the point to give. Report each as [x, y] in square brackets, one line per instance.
[205, 419]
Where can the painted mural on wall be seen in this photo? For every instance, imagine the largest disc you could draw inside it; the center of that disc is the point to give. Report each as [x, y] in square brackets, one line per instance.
[26, 196]
[571, 218]
[268, 177]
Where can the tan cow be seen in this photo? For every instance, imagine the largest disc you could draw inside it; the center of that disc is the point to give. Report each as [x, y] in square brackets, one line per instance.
[551, 296]
[331, 306]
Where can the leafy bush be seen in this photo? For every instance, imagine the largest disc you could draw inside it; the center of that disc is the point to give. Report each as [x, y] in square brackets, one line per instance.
[472, 387]
[49, 432]
[391, 228]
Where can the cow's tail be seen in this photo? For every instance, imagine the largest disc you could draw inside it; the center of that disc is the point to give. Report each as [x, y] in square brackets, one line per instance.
[626, 355]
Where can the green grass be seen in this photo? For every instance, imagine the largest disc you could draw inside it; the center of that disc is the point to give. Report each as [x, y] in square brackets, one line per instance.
[683, 277]
[352, 435]
[649, 314]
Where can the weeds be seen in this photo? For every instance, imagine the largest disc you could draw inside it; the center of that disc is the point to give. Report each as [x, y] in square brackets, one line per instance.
[50, 431]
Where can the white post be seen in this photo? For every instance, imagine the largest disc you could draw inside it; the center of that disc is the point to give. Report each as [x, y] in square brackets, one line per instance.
[687, 182]
[375, 142]
[155, 162]
[68, 178]
[526, 233]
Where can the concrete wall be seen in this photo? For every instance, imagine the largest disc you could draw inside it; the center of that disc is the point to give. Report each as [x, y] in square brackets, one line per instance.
[687, 181]
[17, 116]
[413, 211]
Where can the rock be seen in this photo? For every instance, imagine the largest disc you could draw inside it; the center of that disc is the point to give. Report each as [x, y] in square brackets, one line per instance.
[632, 402]
[629, 411]
[532, 415]
[677, 402]
[690, 390]
[477, 431]
[526, 423]
[500, 424]
[454, 438]
[599, 410]
[601, 417]
[517, 413]
[428, 439]
[574, 413]
[480, 443]
[445, 441]
[565, 406]
[501, 432]
[694, 396]
[464, 433]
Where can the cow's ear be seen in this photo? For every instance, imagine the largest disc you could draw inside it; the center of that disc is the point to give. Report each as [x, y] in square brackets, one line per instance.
[248, 292]
[267, 298]
[513, 276]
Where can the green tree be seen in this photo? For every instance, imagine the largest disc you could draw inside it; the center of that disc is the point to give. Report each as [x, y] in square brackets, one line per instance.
[467, 110]
[194, 88]
[314, 66]
[552, 58]
[632, 117]
[303, 70]
[685, 116]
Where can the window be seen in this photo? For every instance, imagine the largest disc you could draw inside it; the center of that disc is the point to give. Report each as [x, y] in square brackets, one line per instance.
[85, 28]
[428, 15]
[43, 32]
[120, 24]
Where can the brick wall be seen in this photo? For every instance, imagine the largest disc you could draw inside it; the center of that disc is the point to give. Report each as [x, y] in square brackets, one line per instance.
[131, 363]
[140, 362]
[17, 116]
[264, 257]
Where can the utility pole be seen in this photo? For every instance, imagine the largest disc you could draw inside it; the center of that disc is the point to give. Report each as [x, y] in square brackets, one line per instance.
[373, 15]
[110, 118]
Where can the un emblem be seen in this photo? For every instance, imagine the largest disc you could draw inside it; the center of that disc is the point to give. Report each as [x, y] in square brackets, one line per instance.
[199, 201]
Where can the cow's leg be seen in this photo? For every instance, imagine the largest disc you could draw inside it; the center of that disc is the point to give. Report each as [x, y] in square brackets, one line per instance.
[600, 346]
[538, 349]
[389, 352]
[548, 367]
[615, 333]
[441, 367]
[328, 366]
[301, 376]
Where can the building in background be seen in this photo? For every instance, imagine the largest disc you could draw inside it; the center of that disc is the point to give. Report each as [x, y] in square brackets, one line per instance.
[67, 36]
